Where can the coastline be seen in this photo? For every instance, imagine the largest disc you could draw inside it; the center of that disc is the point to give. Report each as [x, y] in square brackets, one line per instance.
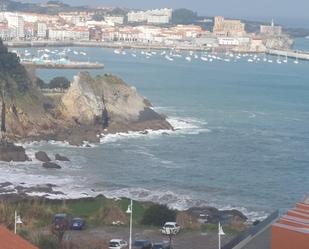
[118, 45]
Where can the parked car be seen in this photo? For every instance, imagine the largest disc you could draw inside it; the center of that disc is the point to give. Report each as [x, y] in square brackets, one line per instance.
[170, 228]
[161, 245]
[61, 222]
[117, 244]
[142, 244]
[78, 224]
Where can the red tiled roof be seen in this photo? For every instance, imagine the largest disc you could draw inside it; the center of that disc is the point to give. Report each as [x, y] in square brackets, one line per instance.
[9, 240]
[291, 231]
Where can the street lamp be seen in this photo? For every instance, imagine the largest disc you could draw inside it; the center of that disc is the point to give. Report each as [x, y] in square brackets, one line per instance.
[17, 220]
[130, 211]
[220, 232]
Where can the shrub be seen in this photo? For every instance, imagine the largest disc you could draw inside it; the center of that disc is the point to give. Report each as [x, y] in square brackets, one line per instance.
[59, 82]
[157, 215]
[47, 242]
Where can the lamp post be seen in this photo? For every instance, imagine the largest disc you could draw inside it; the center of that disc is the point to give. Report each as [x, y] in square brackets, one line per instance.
[220, 232]
[17, 220]
[130, 211]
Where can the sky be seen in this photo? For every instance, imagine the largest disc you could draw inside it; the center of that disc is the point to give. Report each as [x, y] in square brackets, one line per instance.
[293, 12]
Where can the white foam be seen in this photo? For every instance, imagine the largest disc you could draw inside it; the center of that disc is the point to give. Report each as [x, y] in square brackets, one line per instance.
[184, 126]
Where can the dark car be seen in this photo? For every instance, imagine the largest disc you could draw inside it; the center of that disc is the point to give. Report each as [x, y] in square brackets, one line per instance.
[61, 222]
[142, 244]
[161, 245]
[78, 224]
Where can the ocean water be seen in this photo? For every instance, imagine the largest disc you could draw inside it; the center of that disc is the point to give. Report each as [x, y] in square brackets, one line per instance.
[241, 139]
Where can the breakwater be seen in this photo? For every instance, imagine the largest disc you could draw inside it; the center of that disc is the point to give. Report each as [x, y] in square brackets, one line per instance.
[301, 55]
[69, 65]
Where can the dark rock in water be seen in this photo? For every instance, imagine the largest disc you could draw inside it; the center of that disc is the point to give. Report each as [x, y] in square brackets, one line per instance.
[50, 165]
[10, 152]
[61, 158]
[144, 132]
[42, 156]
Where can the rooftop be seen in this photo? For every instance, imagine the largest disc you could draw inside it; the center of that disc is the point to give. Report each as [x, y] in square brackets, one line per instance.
[9, 240]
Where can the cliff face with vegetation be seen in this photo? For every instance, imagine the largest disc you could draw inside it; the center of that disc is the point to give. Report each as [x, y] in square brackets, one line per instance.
[91, 106]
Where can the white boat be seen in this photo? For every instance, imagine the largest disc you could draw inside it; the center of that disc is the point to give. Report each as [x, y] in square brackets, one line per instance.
[195, 56]
[296, 61]
[250, 60]
[204, 58]
[270, 61]
[279, 61]
[227, 60]
[134, 55]
[83, 53]
[163, 53]
[117, 51]
[211, 59]
[188, 58]
[177, 55]
[124, 52]
[169, 58]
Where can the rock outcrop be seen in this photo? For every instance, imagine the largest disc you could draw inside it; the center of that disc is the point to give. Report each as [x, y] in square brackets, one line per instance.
[58, 157]
[213, 215]
[108, 101]
[10, 152]
[90, 107]
[50, 165]
[42, 156]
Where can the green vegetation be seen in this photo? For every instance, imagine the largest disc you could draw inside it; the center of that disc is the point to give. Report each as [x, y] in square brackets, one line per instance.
[59, 82]
[184, 16]
[47, 242]
[157, 215]
[13, 76]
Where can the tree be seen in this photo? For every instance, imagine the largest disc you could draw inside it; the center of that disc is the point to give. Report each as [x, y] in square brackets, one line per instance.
[157, 215]
[40, 83]
[183, 16]
[59, 82]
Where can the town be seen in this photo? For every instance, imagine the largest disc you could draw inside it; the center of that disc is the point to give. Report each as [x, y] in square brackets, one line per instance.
[149, 28]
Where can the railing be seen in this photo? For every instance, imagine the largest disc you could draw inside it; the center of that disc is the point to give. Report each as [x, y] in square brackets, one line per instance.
[252, 231]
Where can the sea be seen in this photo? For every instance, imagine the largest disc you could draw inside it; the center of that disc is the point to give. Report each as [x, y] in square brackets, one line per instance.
[241, 136]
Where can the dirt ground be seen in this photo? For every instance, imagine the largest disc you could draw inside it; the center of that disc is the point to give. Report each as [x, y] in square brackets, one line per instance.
[183, 240]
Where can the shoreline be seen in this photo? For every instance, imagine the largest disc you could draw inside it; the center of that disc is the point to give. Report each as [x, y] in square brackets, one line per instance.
[24, 193]
[111, 45]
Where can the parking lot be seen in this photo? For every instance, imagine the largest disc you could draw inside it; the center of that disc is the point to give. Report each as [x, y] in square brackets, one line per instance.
[183, 240]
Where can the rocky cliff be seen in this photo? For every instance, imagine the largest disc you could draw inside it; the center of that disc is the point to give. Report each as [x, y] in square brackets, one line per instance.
[91, 106]
[110, 102]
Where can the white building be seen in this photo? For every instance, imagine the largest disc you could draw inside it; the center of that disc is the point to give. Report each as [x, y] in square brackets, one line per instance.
[228, 41]
[74, 34]
[42, 30]
[158, 19]
[157, 16]
[16, 22]
[6, 33]
[113, 20]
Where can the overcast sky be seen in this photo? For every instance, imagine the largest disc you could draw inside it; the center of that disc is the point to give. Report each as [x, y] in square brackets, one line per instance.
[295, 11]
